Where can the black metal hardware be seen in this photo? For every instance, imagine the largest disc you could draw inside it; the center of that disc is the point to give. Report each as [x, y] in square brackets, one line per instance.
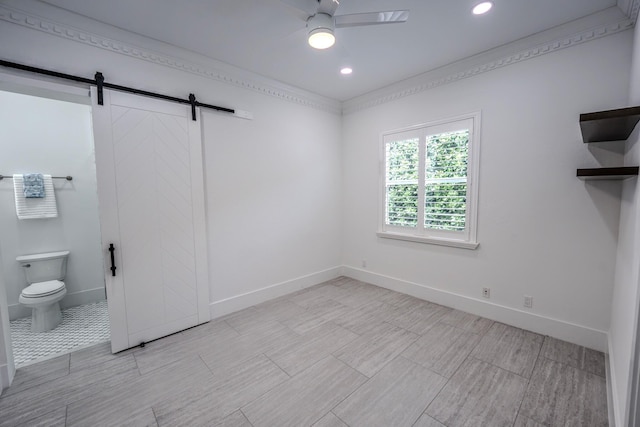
[113, 261]
[100, 83]
[192, 100]
[68, 177]
[46, 72]
[142, 344]
[27, 265]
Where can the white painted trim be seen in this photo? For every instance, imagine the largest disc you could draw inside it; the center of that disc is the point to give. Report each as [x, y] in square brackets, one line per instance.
[566, 331]
[466, 239]
[88, 296]
[571, 34]
[611, 407]
[239, 302]
[632, 11]
[431, 240]
[168, 57]
[611, 374]
[198, 199]
[83, 297]
[43, 89]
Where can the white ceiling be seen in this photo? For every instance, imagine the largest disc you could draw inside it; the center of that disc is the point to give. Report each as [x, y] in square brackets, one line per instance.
[267, 37]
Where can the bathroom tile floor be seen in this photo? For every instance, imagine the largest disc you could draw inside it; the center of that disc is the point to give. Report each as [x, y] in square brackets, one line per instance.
[81, 326]
[342, 353]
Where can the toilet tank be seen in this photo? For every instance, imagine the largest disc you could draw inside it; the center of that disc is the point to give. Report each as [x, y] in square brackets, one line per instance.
[43, 267]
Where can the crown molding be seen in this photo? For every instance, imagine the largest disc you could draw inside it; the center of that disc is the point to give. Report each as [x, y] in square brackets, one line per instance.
[220, 72]
[634, 8]
[513, 53]
[630, 8]
[492, 60]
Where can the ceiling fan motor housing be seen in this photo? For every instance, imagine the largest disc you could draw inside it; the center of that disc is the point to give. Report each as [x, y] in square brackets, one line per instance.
[320, 21]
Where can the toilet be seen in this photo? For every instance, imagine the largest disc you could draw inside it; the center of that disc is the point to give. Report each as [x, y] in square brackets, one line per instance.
[44, 273]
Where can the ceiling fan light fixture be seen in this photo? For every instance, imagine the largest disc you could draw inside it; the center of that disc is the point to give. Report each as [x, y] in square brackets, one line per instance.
[321, 38]
[482, 8]
[321, 28]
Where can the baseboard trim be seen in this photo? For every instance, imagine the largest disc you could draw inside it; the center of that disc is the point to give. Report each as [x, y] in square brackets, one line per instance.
[239, 302]
[566, 331]
[18, 311]
[611, 400]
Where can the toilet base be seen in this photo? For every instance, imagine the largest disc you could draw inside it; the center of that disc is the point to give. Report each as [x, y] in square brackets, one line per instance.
[45, 318]
[45, 311]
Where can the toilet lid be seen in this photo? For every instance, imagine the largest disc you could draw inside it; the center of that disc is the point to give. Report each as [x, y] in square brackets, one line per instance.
[42, 289]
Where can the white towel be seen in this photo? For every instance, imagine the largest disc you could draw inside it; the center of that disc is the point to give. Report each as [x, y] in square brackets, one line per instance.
[35, 208]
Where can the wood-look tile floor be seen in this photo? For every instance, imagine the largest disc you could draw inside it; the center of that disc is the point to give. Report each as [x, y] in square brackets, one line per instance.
[342, 353]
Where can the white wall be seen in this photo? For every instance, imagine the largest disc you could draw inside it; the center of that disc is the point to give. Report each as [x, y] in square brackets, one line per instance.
[273, 196]
[624, 308]
[272, 183]
[52, 137]
[542, 231]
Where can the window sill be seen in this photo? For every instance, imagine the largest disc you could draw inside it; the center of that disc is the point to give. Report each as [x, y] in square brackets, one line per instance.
[429, 240]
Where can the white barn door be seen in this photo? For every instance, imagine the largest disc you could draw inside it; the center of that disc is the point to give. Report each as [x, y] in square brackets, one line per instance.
[151, 195]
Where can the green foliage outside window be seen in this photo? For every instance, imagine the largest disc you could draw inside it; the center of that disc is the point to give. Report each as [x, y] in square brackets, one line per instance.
[445, 181]
[402, 183]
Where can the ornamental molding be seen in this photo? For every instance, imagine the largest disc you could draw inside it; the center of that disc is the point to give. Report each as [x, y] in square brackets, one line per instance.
[427, 81]
[634, 8]
[630, 8]
[290, 94]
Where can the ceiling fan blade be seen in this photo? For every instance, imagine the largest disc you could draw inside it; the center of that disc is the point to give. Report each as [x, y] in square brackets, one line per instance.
[328, 6]
[305, 8]
[372, 18]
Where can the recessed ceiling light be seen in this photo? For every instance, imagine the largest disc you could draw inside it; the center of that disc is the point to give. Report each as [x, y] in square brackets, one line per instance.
[482, 8]
[346, 70]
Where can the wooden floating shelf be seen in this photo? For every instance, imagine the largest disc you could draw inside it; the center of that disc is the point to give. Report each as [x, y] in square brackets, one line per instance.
[608, 173]
[610, 125]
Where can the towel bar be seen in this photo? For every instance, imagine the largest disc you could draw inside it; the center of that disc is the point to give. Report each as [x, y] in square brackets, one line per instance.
[68, 178]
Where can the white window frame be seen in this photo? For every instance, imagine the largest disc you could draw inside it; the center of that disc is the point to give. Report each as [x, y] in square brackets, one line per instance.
[466, 239]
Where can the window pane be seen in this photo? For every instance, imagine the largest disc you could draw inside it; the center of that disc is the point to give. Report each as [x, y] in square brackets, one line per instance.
[402, 160]
[445, 206]
[402, 205]
[447, 155]
[402, 183]
[446, 180]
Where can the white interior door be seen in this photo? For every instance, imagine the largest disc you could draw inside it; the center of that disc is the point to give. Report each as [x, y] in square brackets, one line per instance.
[151, 195]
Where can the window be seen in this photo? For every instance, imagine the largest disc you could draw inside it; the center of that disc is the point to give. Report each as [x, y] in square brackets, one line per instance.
[430, 182]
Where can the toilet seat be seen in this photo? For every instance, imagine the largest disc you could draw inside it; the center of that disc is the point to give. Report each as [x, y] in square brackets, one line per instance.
[42, 289]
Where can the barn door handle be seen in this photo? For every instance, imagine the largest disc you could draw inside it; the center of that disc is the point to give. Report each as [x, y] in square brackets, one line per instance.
[113, 261]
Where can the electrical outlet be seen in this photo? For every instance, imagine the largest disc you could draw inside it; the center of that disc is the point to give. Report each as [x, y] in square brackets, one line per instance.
[364, 263]
[486, 292]
[528, 301]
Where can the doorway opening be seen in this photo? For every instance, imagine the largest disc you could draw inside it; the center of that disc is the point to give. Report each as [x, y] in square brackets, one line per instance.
[52, 135]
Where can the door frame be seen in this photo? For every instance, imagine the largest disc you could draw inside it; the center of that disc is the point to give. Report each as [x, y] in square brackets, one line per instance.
[633, 409]
[10, 82]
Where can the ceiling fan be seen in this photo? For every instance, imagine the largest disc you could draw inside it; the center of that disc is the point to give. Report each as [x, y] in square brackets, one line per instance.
[321, 21]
